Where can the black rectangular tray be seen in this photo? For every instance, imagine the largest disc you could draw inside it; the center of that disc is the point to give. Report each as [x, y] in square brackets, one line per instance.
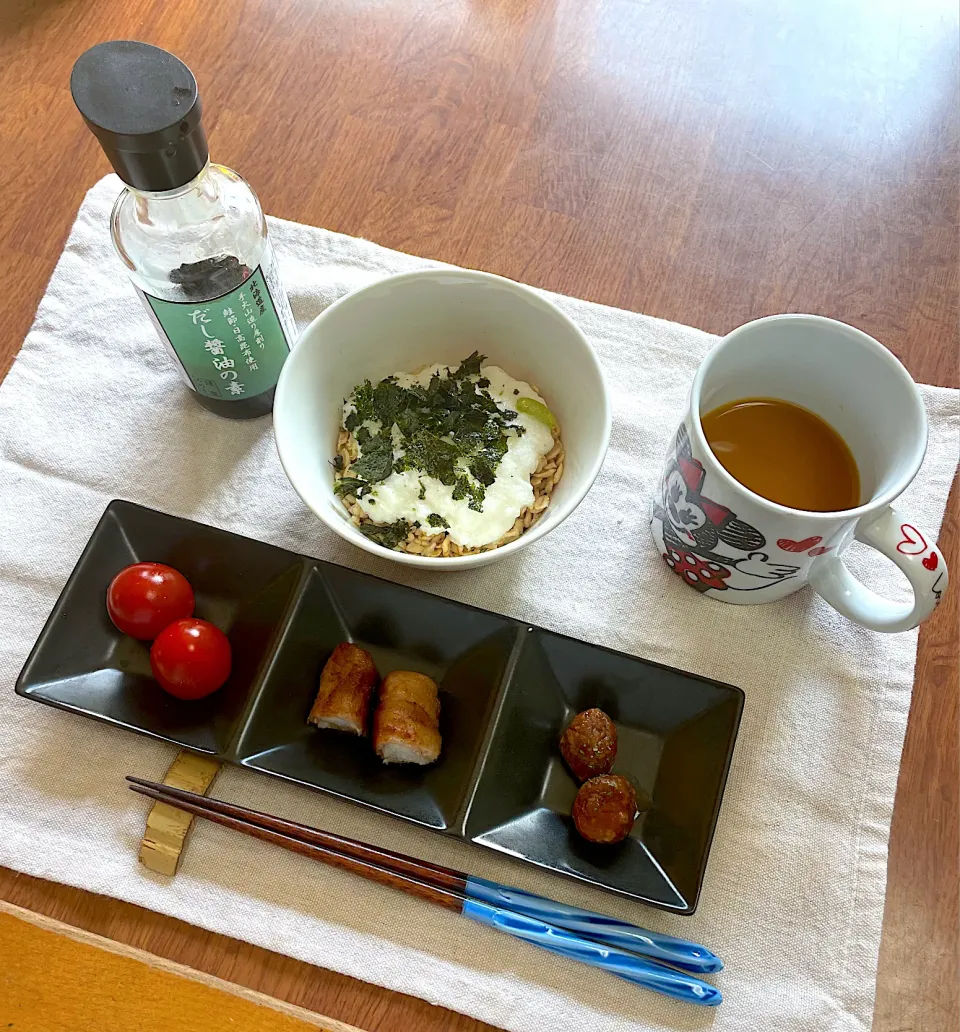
[507, 692]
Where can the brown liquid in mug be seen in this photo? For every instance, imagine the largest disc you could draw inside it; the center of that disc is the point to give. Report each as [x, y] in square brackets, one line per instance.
[785, 453]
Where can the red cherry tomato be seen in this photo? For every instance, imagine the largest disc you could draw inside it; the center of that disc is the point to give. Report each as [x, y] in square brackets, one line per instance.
[190, 658]
[144, 598]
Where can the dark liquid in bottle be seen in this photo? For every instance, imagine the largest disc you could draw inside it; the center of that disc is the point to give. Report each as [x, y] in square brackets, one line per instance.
[204, 281]
[244, 408]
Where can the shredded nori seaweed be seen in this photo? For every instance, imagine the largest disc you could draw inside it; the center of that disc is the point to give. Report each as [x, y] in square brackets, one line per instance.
[387, 534]
[451, 429]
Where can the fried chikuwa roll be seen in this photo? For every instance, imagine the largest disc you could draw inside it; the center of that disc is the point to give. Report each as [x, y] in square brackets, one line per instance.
[406, 721]
[346, 685]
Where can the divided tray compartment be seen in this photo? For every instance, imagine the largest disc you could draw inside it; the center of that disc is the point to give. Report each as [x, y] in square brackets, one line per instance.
[675, 735]
[507, 690]
[465, 650]
[81, 662]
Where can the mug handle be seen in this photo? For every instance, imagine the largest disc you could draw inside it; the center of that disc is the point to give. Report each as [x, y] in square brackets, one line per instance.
[898, 539]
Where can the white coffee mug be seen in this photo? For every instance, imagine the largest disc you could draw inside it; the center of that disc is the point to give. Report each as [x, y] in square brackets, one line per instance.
[734, 545]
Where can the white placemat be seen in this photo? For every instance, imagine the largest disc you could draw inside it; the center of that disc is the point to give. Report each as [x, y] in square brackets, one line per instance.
[794, 890]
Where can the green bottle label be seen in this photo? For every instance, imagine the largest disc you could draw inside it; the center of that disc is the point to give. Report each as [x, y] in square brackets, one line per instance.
[231, 347]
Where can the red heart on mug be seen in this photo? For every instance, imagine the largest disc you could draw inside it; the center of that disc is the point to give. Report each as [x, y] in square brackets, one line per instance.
[798, 546]
[913, 542]
[931, 561]
[822, 550]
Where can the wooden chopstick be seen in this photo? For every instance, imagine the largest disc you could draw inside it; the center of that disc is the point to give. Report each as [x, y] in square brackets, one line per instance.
[399, 863]
[271, 829]
[530, 927]
[533, 918]
[448, 887]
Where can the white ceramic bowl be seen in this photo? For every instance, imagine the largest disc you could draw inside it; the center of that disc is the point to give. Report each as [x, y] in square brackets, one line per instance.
[402, 323]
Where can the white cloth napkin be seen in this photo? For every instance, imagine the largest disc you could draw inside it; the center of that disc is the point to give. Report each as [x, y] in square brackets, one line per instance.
[794, 890]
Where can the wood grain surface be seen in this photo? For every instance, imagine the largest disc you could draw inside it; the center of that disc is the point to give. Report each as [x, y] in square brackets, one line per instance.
[707, 161]
[167, 828]
[105, 985]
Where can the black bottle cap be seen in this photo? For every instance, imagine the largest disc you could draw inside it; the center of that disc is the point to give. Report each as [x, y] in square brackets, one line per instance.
[143, 106]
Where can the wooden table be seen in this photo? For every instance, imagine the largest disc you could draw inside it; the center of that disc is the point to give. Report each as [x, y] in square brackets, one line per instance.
[708, 162]
[102, 984]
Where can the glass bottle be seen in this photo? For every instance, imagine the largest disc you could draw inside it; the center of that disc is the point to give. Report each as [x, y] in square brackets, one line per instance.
[191, 233]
